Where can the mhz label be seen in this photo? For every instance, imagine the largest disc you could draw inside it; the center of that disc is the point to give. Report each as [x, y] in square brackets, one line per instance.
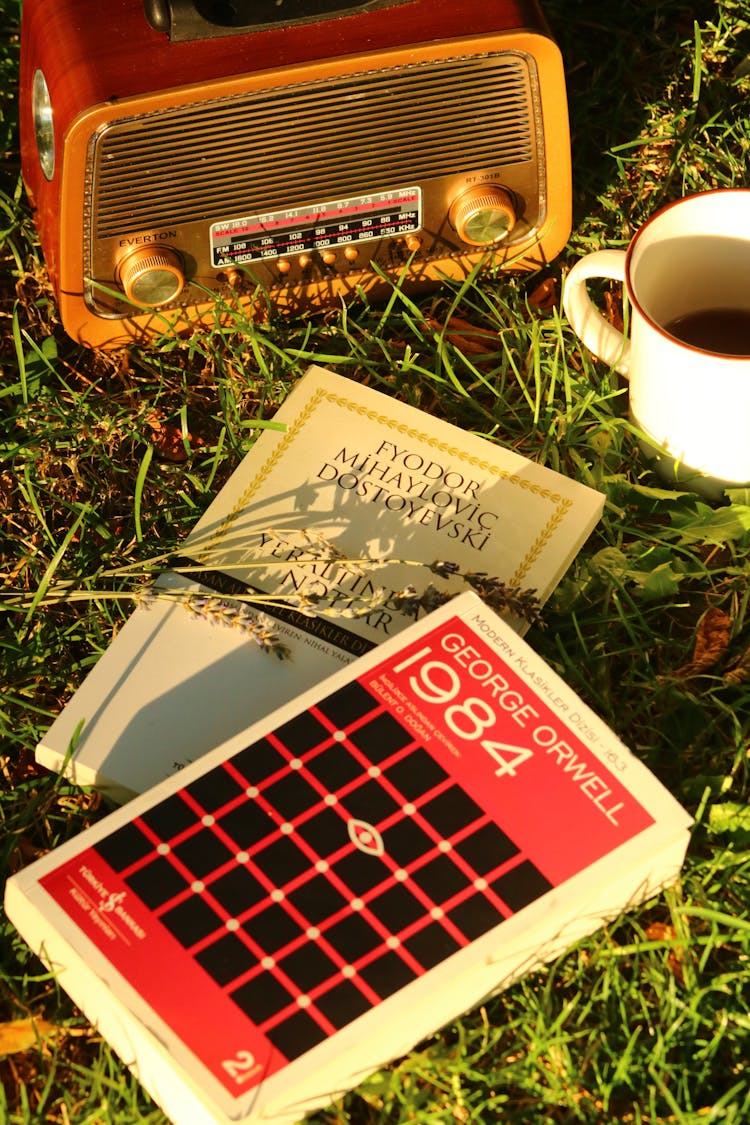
[325, 226]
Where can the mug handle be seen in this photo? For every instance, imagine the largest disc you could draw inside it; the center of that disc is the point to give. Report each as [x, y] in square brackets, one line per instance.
[599, 336]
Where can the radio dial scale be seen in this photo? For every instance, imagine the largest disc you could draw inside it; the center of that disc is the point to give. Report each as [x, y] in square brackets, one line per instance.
[301, 230]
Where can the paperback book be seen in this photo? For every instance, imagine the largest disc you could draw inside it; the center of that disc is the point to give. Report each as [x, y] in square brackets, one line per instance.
[261, 931]
[349, 478]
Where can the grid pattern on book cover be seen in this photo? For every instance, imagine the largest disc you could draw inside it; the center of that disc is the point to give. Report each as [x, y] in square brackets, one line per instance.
[322, 868]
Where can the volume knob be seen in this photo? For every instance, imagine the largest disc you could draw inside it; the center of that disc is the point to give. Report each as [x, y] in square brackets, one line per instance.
[152, 276]
[483, 215]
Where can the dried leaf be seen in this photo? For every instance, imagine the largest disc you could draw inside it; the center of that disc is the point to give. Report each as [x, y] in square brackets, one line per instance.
[466, 336]
[613, 309]
[24, 1035]
[711, 643]
[660, 931]
[739, 673]
[544, 295]
[168, 439]
[24, 853]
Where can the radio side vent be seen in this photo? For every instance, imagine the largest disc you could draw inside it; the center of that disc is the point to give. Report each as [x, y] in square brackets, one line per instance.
[326, 139]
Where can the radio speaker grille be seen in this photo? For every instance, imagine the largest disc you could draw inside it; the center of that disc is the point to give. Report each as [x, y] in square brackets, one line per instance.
[320, 140]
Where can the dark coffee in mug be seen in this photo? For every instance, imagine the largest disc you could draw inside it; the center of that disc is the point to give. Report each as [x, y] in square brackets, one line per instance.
[724, 331]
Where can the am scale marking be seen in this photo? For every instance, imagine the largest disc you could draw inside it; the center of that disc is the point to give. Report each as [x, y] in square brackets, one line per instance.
[321, 869]
[335, 224]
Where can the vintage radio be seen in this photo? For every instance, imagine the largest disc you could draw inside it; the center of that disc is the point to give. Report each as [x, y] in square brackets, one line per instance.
[288, 152]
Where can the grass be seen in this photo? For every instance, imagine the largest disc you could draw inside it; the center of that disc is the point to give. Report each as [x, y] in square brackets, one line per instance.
[107, 460]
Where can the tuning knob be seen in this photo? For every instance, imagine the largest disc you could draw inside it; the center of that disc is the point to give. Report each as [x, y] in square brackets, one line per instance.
[152, 276]
[483, 215]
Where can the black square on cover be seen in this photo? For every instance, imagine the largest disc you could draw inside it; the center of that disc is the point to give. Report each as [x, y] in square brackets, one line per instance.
[325, 832]
[191, 921]
[226, 959]
[272, 928]
[381, 737]
[387, 974]
[124, 847]
[301, 733]
[431, 945]
[247, 825]
[317, 899]
[474, 916]
[369, 802]
[202, 853]
[440, 878]
[360, 872]
[156, 883]
[342, 1004]
[238, 890]
[290, 795]
[347, 705]
[261, 997]
[415, 774]
[170, 817]
[352, 938]
[485, 848]
[521, 885]
[334, 767]
[282, 861]
[308, 967]
[259, 761]
[396, 907]
[296, 1034]
[214, 789]
[451, 811]
[405, 841]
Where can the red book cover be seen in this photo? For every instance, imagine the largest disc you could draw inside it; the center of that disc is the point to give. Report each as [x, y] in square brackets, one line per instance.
[438, 812]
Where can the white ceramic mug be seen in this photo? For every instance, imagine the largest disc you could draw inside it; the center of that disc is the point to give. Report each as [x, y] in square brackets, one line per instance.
[690, 400]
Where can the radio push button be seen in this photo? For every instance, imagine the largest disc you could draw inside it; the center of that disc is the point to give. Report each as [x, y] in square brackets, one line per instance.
[152, 277]
[351, 253]
[483, 215]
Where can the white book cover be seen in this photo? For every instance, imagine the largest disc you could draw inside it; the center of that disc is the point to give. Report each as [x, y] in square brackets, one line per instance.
[285, 915]
[352, 474]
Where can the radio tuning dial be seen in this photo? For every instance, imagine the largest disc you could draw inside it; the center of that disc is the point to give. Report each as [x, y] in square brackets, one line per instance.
[483, 215]
[152, 276]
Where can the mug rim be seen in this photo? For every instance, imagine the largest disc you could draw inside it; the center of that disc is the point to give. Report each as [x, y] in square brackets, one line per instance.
[628, 264]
